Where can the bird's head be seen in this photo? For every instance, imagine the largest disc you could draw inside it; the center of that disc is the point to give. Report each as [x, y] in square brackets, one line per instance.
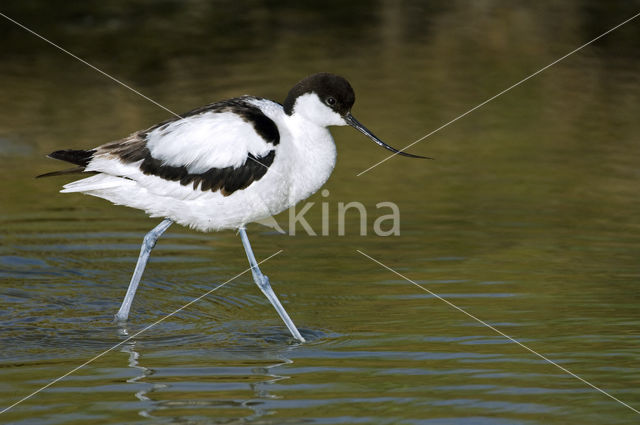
[326, 99]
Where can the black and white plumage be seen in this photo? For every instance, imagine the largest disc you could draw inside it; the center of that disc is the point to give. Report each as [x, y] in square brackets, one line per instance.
[188, 169]
[223, 165]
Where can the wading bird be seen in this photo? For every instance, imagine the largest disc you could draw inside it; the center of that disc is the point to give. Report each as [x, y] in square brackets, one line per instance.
[222, 166]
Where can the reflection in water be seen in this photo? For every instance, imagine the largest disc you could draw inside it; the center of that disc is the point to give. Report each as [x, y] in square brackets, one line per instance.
[261, 389]
[260, 382]
[134, 356]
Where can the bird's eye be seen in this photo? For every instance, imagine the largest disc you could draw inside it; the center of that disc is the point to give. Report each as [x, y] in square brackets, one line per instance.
[331, 101]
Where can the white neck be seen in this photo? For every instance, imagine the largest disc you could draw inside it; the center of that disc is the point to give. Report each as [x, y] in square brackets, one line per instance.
[315, 156]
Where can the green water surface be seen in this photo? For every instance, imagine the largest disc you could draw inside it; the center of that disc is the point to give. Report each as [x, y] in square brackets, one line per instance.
[528, 219]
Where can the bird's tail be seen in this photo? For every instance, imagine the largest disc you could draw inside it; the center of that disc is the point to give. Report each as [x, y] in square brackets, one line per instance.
[79, 157]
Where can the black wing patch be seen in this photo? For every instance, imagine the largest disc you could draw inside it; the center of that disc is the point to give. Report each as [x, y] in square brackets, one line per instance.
[227, 180]
[262, 124]
[75, 156]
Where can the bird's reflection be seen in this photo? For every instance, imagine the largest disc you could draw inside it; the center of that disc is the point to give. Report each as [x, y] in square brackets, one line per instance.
[256, 404]
[142, 372]
[261, 390]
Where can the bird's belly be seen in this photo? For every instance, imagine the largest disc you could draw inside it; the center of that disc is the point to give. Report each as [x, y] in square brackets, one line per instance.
[289, 180]
[201, 210]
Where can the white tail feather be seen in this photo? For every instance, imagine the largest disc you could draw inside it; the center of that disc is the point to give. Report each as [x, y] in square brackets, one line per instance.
[97, 182]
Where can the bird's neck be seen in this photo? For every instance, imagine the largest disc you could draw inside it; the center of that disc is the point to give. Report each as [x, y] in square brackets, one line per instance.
[315, 156]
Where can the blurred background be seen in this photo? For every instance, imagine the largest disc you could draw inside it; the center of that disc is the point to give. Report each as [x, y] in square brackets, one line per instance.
[527, 218]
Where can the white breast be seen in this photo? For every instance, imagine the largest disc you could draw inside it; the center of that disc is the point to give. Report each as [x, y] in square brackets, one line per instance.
[306, 154]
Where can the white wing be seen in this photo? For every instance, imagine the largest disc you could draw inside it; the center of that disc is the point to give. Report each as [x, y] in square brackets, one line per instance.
[205, 141]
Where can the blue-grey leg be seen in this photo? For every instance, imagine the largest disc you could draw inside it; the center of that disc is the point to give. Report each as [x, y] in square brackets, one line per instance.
[263, 283]
[148, 243]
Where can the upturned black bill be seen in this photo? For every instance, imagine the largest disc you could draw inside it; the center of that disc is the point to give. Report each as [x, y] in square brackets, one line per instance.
[361, 128]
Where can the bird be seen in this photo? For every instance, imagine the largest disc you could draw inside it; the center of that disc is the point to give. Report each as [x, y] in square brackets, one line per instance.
[222, 166]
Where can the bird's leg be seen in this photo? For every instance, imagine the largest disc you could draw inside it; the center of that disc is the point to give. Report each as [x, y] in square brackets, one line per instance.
[148, 243]
[263, 283]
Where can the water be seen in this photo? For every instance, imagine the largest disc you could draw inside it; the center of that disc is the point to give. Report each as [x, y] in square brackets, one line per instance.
[527, 219]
